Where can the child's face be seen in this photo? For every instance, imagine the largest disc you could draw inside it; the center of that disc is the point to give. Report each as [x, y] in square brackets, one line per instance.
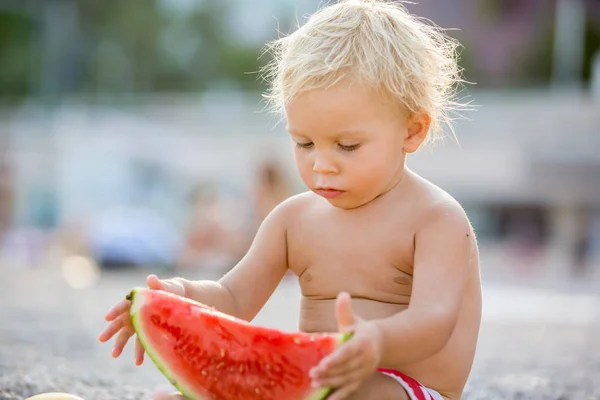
[349, 140]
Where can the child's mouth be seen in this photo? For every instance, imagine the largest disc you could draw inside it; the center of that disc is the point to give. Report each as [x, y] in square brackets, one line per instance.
[329, 193]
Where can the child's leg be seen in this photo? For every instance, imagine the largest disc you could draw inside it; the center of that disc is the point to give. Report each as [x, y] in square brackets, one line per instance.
[380, 387]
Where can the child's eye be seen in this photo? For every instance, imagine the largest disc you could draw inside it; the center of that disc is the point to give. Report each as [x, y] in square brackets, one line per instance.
[349, 148]
[304, 145]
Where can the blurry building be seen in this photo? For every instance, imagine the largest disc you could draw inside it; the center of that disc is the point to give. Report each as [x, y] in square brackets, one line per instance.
[527, 168]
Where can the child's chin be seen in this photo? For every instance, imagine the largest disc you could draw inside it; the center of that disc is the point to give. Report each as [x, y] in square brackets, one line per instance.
[345, 203]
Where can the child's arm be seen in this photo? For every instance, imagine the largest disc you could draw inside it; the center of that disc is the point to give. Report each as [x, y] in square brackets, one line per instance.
[244, 290]
[443, 251]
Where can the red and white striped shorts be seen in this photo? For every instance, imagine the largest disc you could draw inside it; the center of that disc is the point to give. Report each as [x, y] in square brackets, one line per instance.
[415, 390]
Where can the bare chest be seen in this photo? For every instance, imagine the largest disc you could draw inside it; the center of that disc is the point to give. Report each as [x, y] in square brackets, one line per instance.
[369, 257]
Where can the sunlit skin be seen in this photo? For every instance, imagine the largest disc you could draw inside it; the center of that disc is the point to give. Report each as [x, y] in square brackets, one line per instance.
[369, 237]
[349, 147]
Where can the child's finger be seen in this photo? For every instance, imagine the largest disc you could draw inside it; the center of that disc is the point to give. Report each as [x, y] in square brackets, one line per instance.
[168, 285]
[345, 315]
[139, 352]
[340, 359]
[118, 309]
[114, 327]
[322, 372]
[121, 340]
[154, 283]
[339, 382]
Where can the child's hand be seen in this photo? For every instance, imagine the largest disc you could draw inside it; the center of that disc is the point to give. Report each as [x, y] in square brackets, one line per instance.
[121, 321]
[346, 368]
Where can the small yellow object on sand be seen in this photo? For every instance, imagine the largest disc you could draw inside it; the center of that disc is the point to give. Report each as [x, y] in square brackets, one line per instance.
[54, 396]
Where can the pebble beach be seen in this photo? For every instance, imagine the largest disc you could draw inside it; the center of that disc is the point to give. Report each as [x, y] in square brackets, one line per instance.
[534, 344]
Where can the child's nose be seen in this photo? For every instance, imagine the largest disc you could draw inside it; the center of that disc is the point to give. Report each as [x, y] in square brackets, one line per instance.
[322, 165]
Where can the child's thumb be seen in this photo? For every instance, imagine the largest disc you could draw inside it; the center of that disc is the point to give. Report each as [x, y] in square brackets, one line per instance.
[345, 315]
[167, 285]
[154, 283]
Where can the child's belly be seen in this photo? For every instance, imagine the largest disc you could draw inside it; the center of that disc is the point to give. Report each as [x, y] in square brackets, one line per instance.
[318, 315]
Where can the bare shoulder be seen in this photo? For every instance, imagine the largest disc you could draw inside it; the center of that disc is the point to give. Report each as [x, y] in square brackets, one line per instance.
[297, 205]
[440, 210]
[301, 201]
[257, 275]
[291, 206]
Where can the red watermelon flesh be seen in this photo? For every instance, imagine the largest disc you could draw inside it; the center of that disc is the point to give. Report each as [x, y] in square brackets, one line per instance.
[209, 355]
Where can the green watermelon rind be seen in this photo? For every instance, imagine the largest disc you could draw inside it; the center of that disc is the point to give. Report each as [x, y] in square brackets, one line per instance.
[137, 303]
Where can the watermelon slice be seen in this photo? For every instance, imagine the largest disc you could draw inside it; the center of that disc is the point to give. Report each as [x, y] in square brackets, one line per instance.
[209, 355]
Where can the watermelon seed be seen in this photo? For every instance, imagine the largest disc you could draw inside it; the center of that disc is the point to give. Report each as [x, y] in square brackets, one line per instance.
[297, 341]
[223, 353]
[204, 373]
[220, 365]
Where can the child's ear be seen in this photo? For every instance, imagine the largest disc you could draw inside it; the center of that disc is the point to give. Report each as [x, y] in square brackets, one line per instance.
[417, 130]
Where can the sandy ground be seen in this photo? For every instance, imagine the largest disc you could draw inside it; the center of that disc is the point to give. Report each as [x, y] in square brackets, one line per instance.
[534, 343]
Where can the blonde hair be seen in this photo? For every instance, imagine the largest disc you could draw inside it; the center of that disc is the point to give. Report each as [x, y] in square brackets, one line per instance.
[369, 41]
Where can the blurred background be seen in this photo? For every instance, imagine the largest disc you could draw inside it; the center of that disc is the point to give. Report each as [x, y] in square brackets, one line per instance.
[131, 133]
[132, 140]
